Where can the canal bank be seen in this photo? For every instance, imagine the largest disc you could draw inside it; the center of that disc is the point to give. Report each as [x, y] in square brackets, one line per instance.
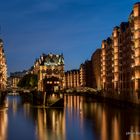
[43, 99]
[112, 100]
[3, 95]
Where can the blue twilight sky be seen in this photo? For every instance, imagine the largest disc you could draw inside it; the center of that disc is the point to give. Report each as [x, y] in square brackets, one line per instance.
[72, 27]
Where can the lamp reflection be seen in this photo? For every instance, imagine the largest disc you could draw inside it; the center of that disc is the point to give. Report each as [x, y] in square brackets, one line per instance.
[50, 124]
[3, 123]
[75, 108]
[104, 127]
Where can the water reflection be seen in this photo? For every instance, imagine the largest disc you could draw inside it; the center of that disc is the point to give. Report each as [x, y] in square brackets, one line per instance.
[81, 118]
[50, 124]
[3, 122]
[102, 121]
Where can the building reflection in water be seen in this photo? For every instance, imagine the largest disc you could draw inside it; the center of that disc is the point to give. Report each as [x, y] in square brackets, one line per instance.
[84, 118]
[108, 122]
[74, 117]
[27, 110]
[50, 124]
[112, 123]
[74, 105]
[13, 103]
[3, 122]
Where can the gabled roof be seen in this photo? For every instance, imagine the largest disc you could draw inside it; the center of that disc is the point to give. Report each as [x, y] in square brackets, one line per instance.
[51, 59]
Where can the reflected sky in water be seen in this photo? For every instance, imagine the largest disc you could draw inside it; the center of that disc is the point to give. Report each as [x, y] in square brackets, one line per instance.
[81, 118]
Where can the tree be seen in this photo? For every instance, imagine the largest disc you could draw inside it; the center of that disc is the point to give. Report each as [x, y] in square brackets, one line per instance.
[28, 81]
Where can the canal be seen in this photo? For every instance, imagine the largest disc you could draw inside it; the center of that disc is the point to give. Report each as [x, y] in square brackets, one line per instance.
[82, 118]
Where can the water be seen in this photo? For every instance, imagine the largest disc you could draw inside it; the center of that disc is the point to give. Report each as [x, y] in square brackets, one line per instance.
[82, 118]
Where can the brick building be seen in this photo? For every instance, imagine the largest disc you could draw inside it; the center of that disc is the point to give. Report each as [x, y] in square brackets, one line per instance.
[72, 79]
[120, 59]
[50, 71]
[96, 69]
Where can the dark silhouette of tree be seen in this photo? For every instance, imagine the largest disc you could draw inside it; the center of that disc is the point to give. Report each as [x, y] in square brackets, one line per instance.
[28, 81]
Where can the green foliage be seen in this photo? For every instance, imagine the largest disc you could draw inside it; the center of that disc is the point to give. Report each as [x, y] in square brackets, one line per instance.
[28, 81]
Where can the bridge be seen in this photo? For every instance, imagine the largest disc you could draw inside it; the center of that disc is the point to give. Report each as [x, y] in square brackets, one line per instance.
[41, 99]
[12, 92]
[17, 90]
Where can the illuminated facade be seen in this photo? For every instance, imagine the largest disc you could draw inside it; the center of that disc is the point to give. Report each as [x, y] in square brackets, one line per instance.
[88, 75]
[3, 68]
[120, 60]
[50, 71]
[82, 75]
[72, 79]
[79, 78]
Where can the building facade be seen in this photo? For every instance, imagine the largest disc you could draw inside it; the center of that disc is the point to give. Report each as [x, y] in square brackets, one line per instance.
[120, 60]
[50, 71]
[15, 77]
[82, 75]
[88, 75]
[96, 69]
[85, 74]
[72, 79]
[3, 67]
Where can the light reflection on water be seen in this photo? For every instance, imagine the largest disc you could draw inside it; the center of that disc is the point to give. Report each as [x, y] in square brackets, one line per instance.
[3, 123]
[81, 118]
